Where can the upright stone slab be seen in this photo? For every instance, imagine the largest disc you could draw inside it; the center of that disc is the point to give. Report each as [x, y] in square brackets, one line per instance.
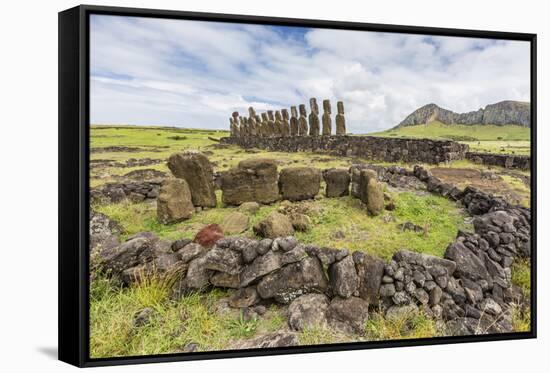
[314, 126]
[174, 201]
[302, 121]
[253, 180]
[365, 175]
[285, 128]
[375, 197]
[299, 183]
[293, 121]
[340, 119]
[197, 171]
[327, 121]
[337, 181]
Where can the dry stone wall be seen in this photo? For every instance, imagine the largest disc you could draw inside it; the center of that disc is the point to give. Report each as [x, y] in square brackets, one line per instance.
[469, 289]
[522, 162]
[368, 147]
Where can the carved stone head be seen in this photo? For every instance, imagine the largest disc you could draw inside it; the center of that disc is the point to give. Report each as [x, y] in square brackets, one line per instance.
[270, 114]
[251, 112]
[278, 115]
[293, 111]
[326, 106]
[302, 108]
[285, 114]
[235, 114]
[264, 117]
[340, 107]
[313, 105]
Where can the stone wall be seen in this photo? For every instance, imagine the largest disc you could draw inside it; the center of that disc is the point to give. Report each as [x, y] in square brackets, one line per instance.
[522, 162]
[368, 147]
[135, 191]
[469, 290]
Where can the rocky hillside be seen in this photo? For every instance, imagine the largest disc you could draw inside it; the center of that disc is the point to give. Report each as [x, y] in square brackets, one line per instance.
[501, 113]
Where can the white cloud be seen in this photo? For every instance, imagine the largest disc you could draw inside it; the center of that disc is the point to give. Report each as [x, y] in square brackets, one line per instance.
[194, 74]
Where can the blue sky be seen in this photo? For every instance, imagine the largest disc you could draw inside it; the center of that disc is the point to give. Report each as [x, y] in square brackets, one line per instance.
[147, 71]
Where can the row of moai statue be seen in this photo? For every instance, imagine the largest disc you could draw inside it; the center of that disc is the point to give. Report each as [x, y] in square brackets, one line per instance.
[280, 124]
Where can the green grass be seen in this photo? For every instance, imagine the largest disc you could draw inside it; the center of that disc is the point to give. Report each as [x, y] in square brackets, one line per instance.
[487, 138]
[460, 132]
[377, 235]
[411, 325]
[521, 275]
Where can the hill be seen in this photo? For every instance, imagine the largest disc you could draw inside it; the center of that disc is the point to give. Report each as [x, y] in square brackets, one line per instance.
[460, 132]
[499, 114]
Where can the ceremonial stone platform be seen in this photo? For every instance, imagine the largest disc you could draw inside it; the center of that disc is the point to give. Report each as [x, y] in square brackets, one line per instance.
[368, 147]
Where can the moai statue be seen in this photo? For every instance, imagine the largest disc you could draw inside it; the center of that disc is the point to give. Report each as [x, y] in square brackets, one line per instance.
[271, 124]
[235, 122]
[327, 121]
[340, 119]
[314, 118]
[286, 125]
[259, 129]
[265, 125]
[293, 121]
[232, 128]
[252, 122]
[302, 121]
[278, 124]
[243, 127]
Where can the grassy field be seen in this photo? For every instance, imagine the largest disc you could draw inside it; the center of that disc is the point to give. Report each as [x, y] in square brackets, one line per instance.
[508, 139]
[336, 222]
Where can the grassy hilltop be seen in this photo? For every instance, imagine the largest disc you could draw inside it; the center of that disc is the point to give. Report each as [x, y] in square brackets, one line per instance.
[508, 139]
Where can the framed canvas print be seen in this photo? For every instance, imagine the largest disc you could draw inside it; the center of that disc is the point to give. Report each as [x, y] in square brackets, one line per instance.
[234, 186]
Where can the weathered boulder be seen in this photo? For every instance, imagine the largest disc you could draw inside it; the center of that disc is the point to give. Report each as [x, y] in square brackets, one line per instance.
[275, 225]
[375, 197]
[234, 223]
[249, 207]
[196, 278]
[370, 271]
[299, 183]
[343, 277]
[174, 202]
[222, 260]
[190, 252]
[253, 180]
[337, 181]
[197, 170]
[468, 264]
[348, 315]
[209, 235]
[135, 251]
[104, 232]
[293, 280]
[260, 267]
[308, 311]
[362, 176]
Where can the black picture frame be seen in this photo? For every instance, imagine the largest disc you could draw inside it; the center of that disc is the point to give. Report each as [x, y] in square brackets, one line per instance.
[74, 186]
